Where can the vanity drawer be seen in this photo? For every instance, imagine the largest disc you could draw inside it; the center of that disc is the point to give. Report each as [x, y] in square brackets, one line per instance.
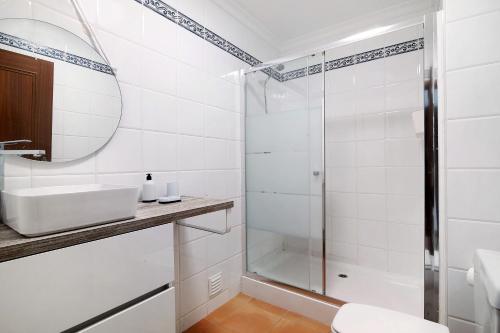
[57, 290]
[154, 315]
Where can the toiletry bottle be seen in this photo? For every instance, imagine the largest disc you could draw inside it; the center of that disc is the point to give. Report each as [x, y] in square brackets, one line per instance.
[149, 189]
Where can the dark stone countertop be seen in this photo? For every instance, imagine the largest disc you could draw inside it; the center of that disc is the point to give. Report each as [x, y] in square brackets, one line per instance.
[14, 245]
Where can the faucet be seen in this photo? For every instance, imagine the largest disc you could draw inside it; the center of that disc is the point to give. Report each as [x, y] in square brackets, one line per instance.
[3, 153]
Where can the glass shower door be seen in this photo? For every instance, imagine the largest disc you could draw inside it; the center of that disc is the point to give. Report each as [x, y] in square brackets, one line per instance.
[284, 172]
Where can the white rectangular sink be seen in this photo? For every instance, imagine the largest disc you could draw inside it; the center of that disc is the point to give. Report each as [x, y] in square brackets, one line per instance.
[46, 210]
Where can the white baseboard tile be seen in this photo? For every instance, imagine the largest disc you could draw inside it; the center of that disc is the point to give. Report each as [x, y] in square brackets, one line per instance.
[193, 317]
[289, 300]
[461, 326]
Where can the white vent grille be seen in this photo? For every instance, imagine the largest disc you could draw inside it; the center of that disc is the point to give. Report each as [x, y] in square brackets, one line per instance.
[215, 284]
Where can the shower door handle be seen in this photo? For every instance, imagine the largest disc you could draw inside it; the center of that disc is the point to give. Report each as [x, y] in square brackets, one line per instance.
[316, 173]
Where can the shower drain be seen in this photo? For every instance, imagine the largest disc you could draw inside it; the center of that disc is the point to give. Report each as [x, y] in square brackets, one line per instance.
[344, 276]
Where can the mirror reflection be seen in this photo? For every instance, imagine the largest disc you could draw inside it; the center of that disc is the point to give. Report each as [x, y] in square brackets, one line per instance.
[55, 90]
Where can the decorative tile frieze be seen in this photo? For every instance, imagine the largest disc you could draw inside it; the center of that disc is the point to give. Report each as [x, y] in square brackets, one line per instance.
[187, 23]
[191, 25]
[315, 69]
[293, 74]
[405, 47]
[369, 56]
[220, 42]
[53, 53]
[385, 52]
[160, 8]
[341, 62]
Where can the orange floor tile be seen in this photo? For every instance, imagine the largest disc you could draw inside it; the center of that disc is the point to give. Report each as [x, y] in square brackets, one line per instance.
[244, 314]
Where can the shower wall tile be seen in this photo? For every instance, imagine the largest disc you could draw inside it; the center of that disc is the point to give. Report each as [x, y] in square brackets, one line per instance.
[404, 152]
[404, 67]
[370, 74]
[371, 180]
[460, 9]
[113, 13]
[461, 326]
[191, 117]
[405, 180]
[472, 194]
[120, 155]
[345, 229]
[404, 95]
[371, 257]
[462, 38]
[473, 171]
[370, 127]
[369, 100]
[409, 264]
[371, 206]
[405, 237]
[467, 236]
[473, 92]
[340, 80]
[191, 83]
[344, 204]
[370, 153]
[473, 143]
[341, 154]
[372, 233]
[340, 129]
[380, 191]
[159, 34]
[153, 143]
[341, 104]
[399, 124]
[159, 111]
[405, 209]
[342, 179]
[460, 295]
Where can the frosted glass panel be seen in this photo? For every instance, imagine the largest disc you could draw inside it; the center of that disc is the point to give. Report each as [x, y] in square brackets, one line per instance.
[284, 173]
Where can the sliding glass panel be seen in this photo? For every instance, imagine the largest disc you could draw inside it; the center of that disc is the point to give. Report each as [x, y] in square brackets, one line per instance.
[283, 168]
[375, 171]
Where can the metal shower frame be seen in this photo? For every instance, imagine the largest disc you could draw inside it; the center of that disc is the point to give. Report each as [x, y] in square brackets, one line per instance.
[432, 258]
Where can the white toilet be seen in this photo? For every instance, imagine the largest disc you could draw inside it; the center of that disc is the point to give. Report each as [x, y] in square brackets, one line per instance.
[487, 291]
[360, 318]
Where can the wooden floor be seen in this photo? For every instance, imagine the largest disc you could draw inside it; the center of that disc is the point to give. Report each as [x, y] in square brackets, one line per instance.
[244, 314]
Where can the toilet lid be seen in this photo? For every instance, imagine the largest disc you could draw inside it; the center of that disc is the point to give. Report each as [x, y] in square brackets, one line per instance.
[359, 318]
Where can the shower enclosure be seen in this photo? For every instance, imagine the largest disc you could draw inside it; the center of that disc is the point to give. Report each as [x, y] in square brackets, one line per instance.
[340, 172]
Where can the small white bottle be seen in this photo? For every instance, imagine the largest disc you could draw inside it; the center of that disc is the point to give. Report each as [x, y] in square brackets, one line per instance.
[149, 189]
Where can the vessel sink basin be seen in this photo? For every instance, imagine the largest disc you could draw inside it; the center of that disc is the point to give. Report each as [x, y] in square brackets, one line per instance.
[45, 210]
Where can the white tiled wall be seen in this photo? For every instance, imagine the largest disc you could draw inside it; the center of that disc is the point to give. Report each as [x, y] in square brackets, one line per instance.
[181, 120]
[374, 159]
[472, 56]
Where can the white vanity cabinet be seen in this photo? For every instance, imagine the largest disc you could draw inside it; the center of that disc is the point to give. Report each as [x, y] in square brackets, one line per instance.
[61, 289]
[153, 315]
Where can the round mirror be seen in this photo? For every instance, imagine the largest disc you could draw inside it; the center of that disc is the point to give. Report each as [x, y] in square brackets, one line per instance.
[56, 91]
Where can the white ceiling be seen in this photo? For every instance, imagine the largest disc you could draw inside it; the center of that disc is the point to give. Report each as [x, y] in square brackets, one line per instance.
[286, 21]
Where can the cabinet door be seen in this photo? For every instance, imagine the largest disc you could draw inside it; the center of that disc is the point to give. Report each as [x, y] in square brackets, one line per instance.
[154, 315]
[57, 290]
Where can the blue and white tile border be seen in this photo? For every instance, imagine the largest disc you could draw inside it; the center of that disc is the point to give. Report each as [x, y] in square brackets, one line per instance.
[196, 28]
[384, 52]
[50, 52]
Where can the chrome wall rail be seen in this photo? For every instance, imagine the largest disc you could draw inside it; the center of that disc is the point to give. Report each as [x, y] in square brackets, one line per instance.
[431, 251]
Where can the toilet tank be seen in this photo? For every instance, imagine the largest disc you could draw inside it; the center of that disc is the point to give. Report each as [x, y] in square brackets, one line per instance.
[487, 291]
